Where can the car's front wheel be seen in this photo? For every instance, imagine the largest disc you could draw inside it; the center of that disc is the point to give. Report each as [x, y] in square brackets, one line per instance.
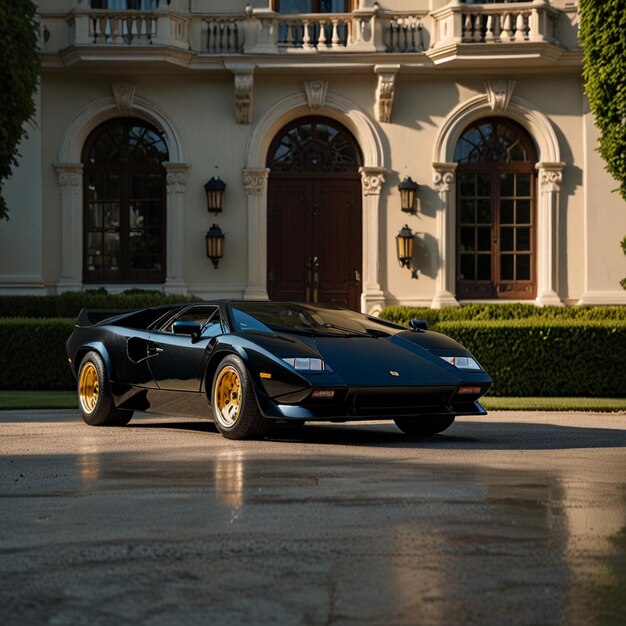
[95, 400]
[233, 404]
[425, 425]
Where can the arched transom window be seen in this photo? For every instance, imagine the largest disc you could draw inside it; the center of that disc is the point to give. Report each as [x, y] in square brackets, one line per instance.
[496, 255]
[124, 203]
[314, 145]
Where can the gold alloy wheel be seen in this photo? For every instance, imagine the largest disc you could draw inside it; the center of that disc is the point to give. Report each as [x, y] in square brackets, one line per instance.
[88, 388]
[227, 396]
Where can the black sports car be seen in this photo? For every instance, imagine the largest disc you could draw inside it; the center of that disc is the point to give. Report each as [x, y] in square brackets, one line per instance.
[249, 364]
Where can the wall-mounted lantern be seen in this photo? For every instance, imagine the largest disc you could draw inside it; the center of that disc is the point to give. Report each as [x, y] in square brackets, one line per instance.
[215, 244]
[215, 194]
[408, 193]
[404, 247]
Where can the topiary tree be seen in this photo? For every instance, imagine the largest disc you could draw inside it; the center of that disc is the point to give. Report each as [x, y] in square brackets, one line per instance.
[19, 73]
[603, 35]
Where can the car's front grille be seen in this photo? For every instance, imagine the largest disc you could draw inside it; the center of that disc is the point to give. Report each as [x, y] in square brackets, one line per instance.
[399, 401]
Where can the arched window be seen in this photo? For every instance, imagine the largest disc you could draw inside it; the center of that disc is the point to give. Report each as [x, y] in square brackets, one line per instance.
[314, 145]
[496, 211]
[124, 203]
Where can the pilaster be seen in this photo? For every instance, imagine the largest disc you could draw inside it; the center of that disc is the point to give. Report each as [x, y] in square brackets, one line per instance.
[255, 185]
[176, 180]
[444, 179]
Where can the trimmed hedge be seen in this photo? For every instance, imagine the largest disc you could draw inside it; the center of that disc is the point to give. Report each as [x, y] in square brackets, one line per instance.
[70, 304]
[33, 354]
[474, 312]
[546, 358]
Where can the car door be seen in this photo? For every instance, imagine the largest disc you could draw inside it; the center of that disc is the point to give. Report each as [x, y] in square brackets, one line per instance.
[177, 362]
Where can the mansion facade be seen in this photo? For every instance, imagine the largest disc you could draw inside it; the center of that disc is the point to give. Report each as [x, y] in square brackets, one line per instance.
[417, 152]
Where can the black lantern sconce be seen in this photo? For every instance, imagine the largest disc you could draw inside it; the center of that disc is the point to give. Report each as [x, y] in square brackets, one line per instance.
[404, 246]
[408, 194]
[215, 244]
[215, 194]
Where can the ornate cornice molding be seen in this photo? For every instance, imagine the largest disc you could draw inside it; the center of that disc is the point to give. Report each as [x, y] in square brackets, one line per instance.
[69, 176]
[244, 83]
[550, 176]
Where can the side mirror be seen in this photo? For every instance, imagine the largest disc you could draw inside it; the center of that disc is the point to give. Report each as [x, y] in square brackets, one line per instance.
[186, 328]
[418, 326]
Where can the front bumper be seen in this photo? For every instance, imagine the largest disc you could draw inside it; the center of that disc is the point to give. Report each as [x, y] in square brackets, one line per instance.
[376, 403]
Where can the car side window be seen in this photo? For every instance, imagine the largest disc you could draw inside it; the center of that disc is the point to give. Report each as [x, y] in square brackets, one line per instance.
[199, 314]
[213, 326]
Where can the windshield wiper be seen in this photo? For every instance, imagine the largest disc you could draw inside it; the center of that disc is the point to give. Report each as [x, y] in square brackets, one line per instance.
[351, 331]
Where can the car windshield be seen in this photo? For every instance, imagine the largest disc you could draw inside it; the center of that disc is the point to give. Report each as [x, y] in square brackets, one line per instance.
[310, 319]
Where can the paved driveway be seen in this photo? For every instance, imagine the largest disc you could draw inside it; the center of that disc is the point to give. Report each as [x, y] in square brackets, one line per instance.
[516, 518]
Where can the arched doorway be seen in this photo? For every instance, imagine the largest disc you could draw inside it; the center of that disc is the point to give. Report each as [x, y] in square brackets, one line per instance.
[124, 203]
[314, 214]
[496, 211]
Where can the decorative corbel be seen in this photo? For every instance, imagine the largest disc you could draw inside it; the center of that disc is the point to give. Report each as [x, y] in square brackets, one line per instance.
[499, 94]
[385, 91]
[316, 93]
[244, 82]
[124, 94]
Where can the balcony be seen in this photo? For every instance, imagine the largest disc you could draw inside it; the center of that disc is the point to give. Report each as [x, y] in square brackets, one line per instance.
[442, 36]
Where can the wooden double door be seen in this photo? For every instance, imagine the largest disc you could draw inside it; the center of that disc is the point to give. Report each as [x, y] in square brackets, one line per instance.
[315, 238]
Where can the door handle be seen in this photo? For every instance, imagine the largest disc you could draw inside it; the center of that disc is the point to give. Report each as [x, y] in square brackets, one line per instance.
[357, 276]
[316, 277]
[153, 349]
[271, 278]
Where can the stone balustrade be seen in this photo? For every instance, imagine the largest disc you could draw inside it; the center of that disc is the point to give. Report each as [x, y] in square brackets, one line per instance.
[262, 31]
[495, 23]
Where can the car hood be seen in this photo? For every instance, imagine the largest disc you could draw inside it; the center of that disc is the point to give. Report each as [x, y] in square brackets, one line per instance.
[377, 361]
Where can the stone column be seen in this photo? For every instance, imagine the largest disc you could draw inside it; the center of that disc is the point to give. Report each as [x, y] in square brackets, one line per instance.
[176, 179]
[70, 178]
[372, 298]
[255, 184]
[550, 177]
[444, 178]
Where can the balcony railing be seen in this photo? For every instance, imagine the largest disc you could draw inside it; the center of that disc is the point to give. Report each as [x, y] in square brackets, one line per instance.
[495, 23]
[261, 31]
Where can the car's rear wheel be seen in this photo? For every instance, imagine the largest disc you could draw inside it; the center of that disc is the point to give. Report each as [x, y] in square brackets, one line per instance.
[233, 404]
[95, 400]
[425, 425]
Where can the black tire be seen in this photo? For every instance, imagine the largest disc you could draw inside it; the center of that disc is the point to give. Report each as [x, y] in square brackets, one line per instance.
[95, 400]
[425, 425]
[233, 403]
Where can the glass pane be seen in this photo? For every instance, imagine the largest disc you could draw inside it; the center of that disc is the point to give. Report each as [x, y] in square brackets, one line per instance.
[467, 267]
[467, 184]
[467, 211]
[111, 215]
[523, 239]
[523, 211]
[507, 211]
[483, 185]
[507, 185]
[153, 210]
[484, 239]
[136, 217]
[523, 185]
[506, 239]
[94, 215]
[484, 267]
[467, 239]
[506, 266]
[523, 267]
[155, 186]
[483, 213]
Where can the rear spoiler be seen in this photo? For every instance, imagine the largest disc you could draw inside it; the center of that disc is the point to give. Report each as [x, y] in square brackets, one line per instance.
[89, 317]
